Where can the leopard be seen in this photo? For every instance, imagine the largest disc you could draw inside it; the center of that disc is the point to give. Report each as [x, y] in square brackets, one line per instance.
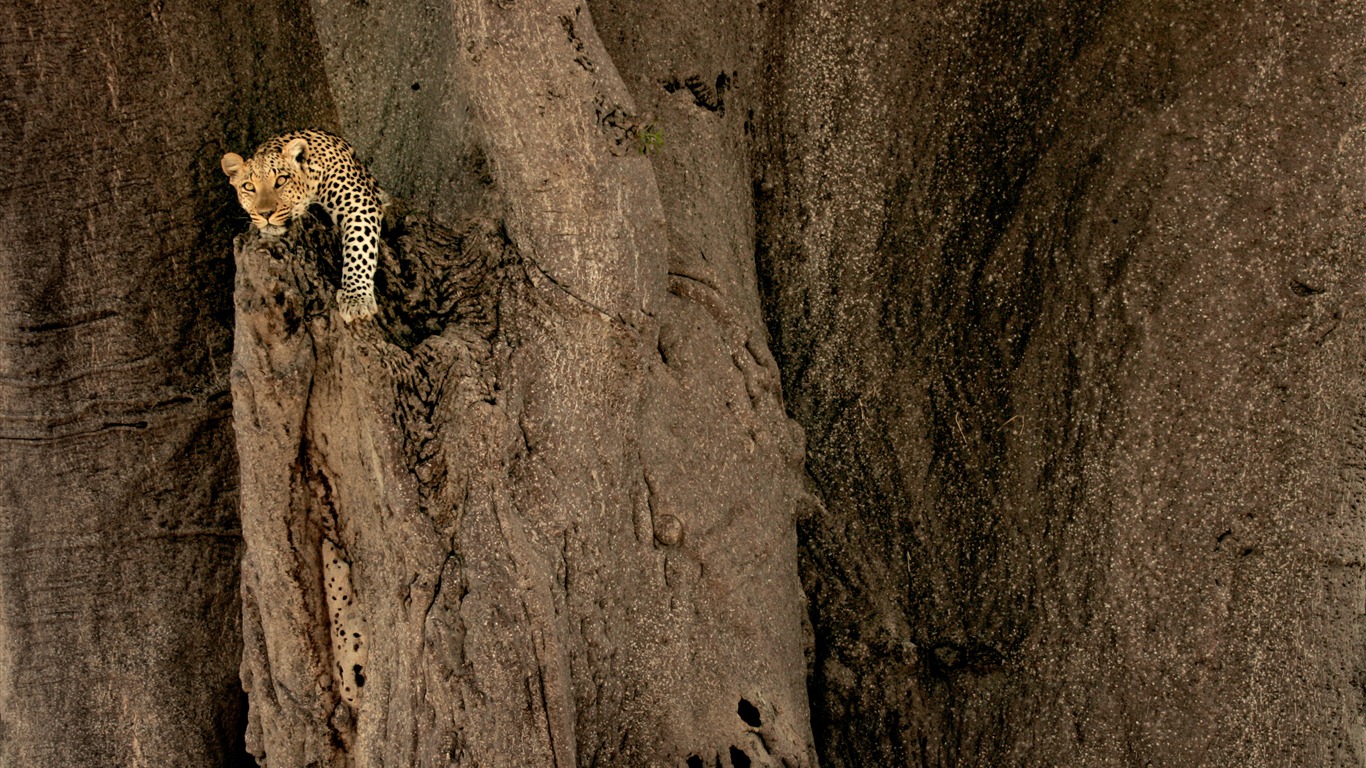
[346, 625]
[295, 170]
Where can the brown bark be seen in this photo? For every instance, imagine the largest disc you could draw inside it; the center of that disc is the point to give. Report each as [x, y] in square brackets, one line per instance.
[1066, 298]
[119, 628]
[1062, 293]
[571, 528]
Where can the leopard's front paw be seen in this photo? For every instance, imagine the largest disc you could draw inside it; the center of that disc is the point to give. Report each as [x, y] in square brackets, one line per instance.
[357, 306]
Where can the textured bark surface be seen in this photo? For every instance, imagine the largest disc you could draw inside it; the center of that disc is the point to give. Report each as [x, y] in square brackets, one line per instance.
[119, 542]
[571, 524]
[1067, 297]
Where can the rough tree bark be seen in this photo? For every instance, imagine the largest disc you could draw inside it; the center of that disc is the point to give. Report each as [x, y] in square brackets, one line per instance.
[1067, 296]
[570, 522]
[1064, 295]
[119, 625]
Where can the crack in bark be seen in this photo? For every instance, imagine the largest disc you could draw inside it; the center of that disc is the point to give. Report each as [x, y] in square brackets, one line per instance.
[534, 269]
[369, 391]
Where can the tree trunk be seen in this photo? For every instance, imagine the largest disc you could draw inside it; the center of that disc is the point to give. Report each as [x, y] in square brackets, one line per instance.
[1062, 296]
[570, 523]
[119, 541]
[1066, 299]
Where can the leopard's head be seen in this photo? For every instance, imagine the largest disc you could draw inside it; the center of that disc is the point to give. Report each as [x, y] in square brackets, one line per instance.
[271, 187]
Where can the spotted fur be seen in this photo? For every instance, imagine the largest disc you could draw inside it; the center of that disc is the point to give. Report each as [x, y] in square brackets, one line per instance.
[346, 625]
[291, 172]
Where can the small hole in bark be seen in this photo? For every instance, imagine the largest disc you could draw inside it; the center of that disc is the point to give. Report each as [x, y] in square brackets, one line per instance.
[1304, 289]
[360, 676]
[738, 758]
[417, 86]
[694, 761]
[749, 713]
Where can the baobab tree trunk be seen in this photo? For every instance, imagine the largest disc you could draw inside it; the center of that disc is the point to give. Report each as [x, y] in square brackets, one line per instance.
[569, 516]
[1063, 295]
[1068, 299]
[119, 542]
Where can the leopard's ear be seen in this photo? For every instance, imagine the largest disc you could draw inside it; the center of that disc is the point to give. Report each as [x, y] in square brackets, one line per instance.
[296, 151]
[232, 163]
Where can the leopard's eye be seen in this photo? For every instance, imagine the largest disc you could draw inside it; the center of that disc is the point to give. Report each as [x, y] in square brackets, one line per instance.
[280, 182]
[249, 187]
